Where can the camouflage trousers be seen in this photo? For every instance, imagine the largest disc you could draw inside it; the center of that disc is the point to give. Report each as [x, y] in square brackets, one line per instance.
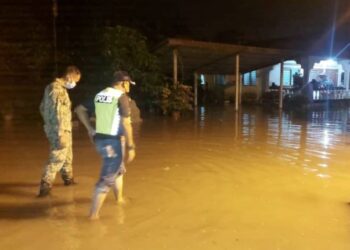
[60, 159]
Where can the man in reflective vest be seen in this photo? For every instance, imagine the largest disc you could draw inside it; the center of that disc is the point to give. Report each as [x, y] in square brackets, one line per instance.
[112, 110]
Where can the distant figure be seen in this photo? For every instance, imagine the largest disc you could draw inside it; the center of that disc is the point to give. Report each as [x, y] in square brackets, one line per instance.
[55, 109]
[326, 82]
[315, 84]
[273, 86]
[298, 81]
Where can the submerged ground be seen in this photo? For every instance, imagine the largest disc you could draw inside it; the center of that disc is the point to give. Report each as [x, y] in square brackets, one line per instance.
[215, 180]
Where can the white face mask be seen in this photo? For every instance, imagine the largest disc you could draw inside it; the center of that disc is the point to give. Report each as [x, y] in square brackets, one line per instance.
[70, 85]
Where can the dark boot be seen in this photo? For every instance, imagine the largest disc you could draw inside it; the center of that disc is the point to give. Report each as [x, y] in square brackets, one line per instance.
[45, 189]
[68, 182]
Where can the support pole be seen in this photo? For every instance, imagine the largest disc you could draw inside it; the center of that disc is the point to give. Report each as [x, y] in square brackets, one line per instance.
[237, 83]
[195, 89]
[240, 88]
[175, 70]
[280, 103]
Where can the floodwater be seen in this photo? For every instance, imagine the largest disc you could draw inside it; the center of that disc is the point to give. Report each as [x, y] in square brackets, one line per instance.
[218, 180]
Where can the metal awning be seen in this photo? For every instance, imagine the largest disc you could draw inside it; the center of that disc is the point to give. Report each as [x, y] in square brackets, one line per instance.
[218, 58]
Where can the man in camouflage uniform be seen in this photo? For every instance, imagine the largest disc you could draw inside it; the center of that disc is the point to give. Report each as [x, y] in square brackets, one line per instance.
[55, 109]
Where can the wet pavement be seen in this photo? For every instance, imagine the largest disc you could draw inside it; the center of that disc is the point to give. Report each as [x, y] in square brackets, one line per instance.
[217, 180]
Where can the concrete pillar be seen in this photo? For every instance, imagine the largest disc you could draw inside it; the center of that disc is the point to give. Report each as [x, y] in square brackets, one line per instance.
[237, 83]
[280, 103]
[240, 88]
[346, 68]
[304, 62]
[175, 68]
[195, 86]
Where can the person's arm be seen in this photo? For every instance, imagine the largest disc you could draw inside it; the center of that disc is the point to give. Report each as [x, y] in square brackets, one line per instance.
[55, 116]
[83, 116]
[127, 128]
[129, 140]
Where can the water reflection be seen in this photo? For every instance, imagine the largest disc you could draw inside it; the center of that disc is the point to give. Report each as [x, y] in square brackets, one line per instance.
[306, 140]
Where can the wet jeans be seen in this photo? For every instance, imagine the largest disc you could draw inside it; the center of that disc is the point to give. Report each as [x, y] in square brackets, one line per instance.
[112, 155]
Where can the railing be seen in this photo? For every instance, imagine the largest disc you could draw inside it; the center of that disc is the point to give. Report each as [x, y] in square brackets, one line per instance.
[318, 95]
[331, 94]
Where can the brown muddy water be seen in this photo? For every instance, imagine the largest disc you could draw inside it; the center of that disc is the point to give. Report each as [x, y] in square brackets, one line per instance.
[218, 180]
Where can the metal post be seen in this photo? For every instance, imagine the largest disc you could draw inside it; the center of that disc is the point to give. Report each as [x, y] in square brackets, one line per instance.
[237, 83]
[195, 89]
[280, 103]
[175, 59]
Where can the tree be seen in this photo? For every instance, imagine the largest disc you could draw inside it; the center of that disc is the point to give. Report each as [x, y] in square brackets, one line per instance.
[124, 48]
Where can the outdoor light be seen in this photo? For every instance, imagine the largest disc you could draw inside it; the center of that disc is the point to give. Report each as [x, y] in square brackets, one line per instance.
[324, 64]
[329, 62]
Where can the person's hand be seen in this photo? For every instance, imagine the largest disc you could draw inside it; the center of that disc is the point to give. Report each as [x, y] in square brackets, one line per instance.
[131, 155]
[91, 134]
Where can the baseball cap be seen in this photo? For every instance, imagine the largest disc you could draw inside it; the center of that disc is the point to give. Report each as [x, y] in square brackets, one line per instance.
[120, 76]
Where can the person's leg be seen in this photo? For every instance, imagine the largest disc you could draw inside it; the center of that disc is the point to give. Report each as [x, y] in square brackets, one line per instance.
[97, 202]
[118, 186]
[56, 160]
[118, 189]
[67, 168]
[110, 150]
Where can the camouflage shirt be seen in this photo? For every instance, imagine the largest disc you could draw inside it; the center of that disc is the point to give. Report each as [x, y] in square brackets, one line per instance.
[55, 108]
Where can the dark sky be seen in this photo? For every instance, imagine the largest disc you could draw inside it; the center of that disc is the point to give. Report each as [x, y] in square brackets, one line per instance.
[257, 22]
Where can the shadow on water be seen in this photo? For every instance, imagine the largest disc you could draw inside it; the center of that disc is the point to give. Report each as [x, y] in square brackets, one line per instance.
[39, 209]
[24, 189]
[18, 201]
[18, 188]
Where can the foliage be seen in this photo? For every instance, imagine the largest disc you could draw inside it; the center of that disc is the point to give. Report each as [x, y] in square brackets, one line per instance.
[126, 49]
[177, 97]
[29, 54]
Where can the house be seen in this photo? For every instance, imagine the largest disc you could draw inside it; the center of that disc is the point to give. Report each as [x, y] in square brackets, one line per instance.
[258, 70]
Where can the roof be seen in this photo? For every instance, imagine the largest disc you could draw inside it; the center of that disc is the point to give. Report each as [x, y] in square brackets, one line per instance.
[218, 58]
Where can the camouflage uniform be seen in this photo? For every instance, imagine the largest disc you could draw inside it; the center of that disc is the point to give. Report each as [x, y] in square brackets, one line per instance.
[55, 109]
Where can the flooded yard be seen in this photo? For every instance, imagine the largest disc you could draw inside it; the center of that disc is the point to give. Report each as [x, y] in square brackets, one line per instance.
[216, 180]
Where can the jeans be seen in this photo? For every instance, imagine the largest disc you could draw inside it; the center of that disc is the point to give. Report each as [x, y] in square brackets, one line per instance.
[112, 155]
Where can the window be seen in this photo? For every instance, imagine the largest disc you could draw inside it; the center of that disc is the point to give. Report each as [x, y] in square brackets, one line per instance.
[249, 78]
[220, 79]
[287, 77]
[202, 79]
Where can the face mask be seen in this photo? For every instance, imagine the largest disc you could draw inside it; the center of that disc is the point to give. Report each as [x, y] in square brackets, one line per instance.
[70, 85]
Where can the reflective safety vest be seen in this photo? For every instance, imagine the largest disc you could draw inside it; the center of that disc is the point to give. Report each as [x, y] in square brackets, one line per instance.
[107, 112]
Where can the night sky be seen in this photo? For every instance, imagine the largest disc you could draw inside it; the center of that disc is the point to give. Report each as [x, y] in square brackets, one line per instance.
[249, 21]
[292, 24]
